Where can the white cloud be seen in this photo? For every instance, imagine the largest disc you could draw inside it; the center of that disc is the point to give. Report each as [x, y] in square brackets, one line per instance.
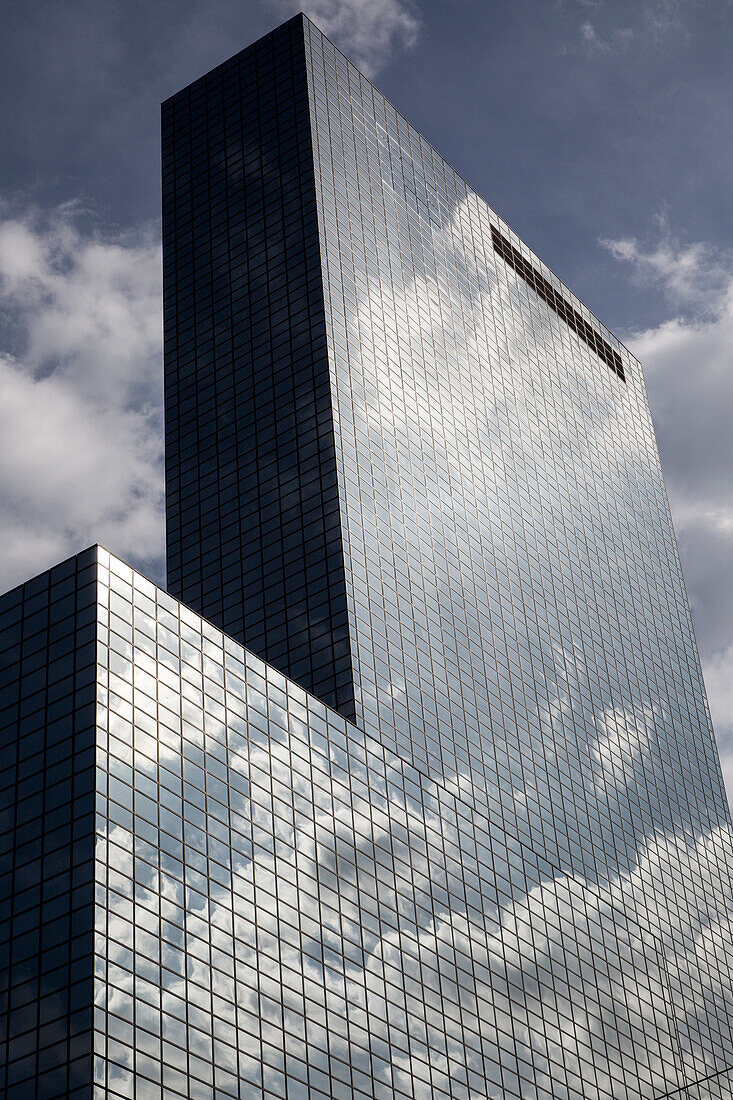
[694, 276]
[594, 42]
[659, 25]
[368, 31]
[719, 682]
[81, 380]
[664, 18]
[591, 38]
[688, 365]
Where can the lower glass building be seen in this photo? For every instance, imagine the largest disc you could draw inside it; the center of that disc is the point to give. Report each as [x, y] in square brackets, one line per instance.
[407, 788]
[222, 888]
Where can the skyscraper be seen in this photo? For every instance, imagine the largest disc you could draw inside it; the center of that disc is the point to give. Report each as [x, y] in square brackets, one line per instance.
[414, 793]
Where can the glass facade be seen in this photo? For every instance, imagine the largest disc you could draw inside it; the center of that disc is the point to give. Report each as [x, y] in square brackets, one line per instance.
[281, 906]
[452, 825]
[48, 677]
[252, 509]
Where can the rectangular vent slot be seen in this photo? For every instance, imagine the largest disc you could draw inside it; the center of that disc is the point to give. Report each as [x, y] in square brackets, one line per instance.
[547, 292]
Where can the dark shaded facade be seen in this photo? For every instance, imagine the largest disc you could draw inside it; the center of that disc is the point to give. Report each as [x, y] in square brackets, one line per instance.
[252, 512]
[48, 666]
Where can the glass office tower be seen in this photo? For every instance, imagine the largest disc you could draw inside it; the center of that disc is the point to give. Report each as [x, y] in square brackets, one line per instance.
[407, 787]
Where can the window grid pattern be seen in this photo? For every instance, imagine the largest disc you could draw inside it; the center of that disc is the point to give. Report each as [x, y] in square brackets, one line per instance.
[554, 298]
[286, 908]
[252, 511]
[47, 774]
[510, 877]
[519, 625]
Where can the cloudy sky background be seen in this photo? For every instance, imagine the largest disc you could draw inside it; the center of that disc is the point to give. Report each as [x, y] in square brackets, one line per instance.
[600, 130]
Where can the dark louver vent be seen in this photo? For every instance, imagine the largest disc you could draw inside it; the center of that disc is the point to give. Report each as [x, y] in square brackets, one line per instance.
[547, 292]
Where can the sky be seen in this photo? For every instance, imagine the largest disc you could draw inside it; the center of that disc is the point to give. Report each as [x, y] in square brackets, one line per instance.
[600, 130]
